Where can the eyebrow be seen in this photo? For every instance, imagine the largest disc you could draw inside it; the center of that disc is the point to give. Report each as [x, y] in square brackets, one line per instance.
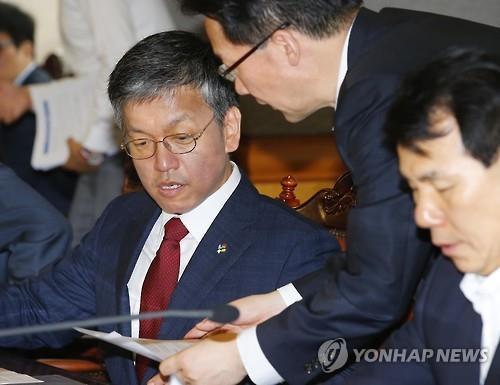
[174, 122]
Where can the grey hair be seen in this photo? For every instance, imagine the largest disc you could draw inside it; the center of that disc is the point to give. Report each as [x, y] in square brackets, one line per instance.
[160, 64]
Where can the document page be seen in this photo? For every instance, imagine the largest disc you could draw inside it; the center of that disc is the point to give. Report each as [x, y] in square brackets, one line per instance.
[156, 350]
[10, 377]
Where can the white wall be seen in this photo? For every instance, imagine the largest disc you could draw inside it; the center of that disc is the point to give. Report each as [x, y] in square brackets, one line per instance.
[46, 15]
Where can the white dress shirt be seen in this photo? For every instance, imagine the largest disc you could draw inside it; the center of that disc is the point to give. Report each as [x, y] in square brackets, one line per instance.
[484, 294]
[257, 366]
[197, 221]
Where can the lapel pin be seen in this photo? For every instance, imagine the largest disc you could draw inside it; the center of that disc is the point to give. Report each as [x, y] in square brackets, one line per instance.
[221, 248]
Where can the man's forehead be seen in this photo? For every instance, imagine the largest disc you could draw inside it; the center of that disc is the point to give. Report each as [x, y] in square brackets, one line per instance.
[180, 98]
[431, 158]
[444, 137]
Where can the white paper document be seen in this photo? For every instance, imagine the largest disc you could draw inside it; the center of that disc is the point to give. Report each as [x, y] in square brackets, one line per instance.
[63, 109]
[10, 377]
[156, 350]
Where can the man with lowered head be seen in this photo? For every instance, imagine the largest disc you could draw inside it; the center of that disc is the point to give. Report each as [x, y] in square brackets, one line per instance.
[445, 124]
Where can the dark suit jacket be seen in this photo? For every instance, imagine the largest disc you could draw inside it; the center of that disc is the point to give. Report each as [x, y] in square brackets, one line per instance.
[16, 147]
[443, 319]
[268, 245]
[381, 237]
[33, 234]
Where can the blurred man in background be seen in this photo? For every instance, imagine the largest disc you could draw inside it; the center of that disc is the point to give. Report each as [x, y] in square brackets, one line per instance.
[17, 69]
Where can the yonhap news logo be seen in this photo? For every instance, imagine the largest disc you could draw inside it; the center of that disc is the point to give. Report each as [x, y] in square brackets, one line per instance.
[333, 355]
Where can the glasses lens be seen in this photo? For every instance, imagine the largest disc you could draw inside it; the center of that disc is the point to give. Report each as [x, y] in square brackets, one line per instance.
[180, 143]
[140, 148]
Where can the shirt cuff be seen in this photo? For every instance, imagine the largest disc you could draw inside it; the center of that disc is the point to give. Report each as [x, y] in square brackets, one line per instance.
[289, 294]
[258, 368]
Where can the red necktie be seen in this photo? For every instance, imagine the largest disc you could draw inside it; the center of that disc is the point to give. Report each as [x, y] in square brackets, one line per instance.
[159, 284]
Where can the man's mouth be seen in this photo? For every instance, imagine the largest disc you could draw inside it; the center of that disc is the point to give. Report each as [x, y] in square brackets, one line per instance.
[170, 186]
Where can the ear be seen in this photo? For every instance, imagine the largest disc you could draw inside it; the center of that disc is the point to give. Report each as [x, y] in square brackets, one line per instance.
[289, 44]
[232, 126]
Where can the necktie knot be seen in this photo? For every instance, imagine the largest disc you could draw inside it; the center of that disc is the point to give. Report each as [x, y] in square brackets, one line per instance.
[175, 230]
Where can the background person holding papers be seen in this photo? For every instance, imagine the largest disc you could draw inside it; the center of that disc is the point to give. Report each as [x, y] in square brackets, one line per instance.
[18, 69]
[198, 236]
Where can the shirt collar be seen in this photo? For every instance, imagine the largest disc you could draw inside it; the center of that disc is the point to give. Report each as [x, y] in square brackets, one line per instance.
[24, 74]
[208, 209]
[478, 288]
[343, 63]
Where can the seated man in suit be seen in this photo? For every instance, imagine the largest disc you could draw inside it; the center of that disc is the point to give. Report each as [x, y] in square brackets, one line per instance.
[223, 240]
[16, 138]
[446, 124]
[33, 234]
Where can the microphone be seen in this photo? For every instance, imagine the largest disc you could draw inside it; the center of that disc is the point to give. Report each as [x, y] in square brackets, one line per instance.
[220, 314]
[224, 314]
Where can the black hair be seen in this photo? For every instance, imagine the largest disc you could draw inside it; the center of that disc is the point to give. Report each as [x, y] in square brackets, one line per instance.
[462, 82]
[16, 23]
[249, 21]
[160, 64]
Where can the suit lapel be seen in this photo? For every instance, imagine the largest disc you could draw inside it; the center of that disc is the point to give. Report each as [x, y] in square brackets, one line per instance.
[447, 304]
[227, 239]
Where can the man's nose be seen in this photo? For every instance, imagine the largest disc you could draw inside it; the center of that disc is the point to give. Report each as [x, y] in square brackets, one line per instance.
[428, 213]
[164, 159]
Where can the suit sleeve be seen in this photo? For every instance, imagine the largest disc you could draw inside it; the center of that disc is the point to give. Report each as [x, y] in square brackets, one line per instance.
[66, 292]
[309, 255]
[33, 233]
[409, 338]
[382, 240]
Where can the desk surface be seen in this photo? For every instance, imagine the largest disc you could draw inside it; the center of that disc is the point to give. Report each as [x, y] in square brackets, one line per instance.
[12, 360]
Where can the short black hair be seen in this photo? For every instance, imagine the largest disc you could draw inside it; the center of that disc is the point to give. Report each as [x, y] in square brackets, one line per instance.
[16, 23]
[249, 21]
[463, 82]
[160, 64]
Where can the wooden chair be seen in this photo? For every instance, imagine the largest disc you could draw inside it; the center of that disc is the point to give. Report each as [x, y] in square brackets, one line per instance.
[328, 207]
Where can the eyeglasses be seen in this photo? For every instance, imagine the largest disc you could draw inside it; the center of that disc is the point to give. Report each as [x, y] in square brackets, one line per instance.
[181, 143]
[228, 72]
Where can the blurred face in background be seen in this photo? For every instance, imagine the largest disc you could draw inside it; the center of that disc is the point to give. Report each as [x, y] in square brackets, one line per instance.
[13, 60]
